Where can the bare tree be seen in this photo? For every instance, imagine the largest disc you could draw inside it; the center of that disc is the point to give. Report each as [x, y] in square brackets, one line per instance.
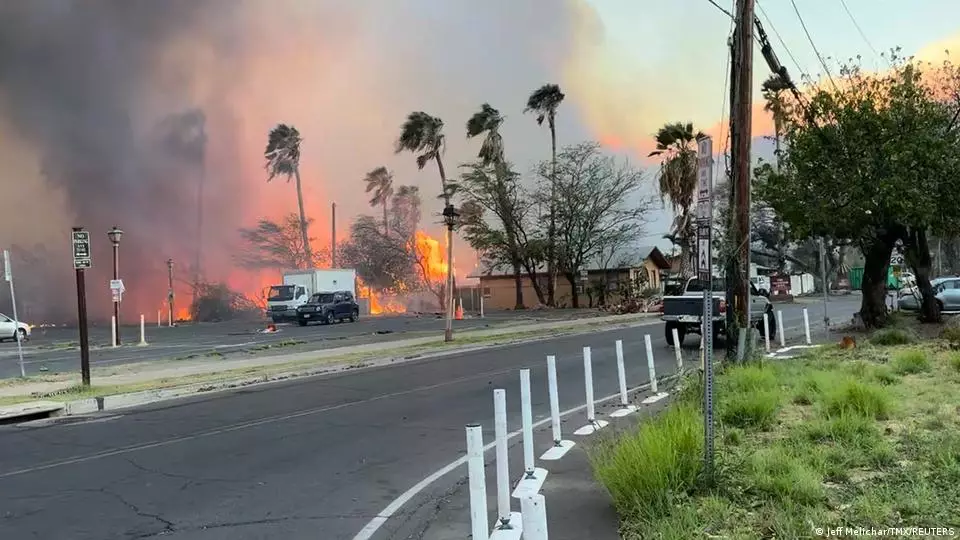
[592, 209]
[278, 245]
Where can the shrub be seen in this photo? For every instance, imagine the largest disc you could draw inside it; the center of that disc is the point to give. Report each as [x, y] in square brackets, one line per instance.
[951, 330]
[884, 375]
[955, 361]
[749, 378]
[893, 336]
[854, 397]
[645, 471]
[784, 477]
[911, 361]
[757, 409]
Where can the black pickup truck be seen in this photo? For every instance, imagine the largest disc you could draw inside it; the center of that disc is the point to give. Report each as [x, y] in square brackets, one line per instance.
[684, 312]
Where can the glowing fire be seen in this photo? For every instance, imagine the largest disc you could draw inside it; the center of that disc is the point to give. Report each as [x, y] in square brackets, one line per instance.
[379, 304]
[432, 257]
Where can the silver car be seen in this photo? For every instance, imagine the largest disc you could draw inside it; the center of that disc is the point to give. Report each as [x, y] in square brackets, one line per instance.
[946, 289]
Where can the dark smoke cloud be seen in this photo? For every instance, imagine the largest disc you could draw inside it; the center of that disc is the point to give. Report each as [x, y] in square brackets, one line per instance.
[129, 104]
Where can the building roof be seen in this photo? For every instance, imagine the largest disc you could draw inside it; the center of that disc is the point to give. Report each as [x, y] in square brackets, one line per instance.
[642, 253]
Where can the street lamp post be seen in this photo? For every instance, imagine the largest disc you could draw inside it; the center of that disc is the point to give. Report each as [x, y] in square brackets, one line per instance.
[114, 235]
[450, 216]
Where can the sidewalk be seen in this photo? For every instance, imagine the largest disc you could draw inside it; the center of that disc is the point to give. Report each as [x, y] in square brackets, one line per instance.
[203, 371]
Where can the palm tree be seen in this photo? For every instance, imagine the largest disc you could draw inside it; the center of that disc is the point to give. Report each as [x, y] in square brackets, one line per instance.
[488, 120]
[380, 182]
[422, 135]
[544, 102]
[677, 181]
[283, 159]
[773, 89]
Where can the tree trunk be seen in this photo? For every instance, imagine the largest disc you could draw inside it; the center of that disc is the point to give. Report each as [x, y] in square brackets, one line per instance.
[518, 282]
[552, 229]
[574, 294]
[386, 225]
[918, 256]
[303, 221]
[873, 306]
[443, 180]
[532, 276]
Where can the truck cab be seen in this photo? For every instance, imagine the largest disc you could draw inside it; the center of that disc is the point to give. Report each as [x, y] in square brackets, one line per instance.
[283, 301]
[684, 312]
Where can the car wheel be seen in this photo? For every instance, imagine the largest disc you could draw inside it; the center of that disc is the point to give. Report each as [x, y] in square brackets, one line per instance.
[22, 334]
[668, 334]
[354, 315]
[302, 323]
[330, 319]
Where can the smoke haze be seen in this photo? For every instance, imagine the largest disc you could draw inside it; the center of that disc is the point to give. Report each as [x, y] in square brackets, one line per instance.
[113, 111]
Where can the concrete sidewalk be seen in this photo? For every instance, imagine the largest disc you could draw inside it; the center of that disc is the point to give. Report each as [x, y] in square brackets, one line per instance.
[327, 360]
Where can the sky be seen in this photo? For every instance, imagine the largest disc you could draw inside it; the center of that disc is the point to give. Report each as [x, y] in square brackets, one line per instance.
[87, 86]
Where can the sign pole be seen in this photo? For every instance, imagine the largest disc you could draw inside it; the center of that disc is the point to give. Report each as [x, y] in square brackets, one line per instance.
[8, 275]
[705, 271]
[81, 261]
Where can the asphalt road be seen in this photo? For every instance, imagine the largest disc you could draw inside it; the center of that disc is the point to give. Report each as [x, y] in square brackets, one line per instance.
[54, 350]
[311, 458]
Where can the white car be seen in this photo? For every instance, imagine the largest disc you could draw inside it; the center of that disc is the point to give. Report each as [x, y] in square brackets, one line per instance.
[11, 330]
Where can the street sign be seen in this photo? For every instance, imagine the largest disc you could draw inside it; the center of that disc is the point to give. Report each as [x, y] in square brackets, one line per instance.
[81, 250]
[7, 270]
[705, 271]
[583, 275]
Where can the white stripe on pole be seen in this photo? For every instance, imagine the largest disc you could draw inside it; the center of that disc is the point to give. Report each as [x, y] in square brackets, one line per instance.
[113, 330]
[783, 337]
[478, 482]
[622, 375]
[159, 313]
[534, 511]
[676, 349]
[503, 466]
[650, 366]
[806, 325]
[533, 477]
[588, 383]
[527, 417]
[766, 329]
[143, 331]
[560, 447]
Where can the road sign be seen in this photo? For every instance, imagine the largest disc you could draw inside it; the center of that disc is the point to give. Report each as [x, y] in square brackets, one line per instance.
[896, 259]
[7, 269]
[81, 250]
[703, 257]
[583, 275]
[705, 269]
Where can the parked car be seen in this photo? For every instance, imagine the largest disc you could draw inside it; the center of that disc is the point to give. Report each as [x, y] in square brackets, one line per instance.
[328, 308]
[946, 289]
[11, 330]
[684, 312]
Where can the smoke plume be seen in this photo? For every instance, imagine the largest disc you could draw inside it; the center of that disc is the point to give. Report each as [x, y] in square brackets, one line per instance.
[127, 112]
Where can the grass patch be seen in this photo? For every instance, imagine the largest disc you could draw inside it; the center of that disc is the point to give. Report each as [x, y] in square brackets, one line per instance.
[911, 361]
[867, 437]
[888, 337]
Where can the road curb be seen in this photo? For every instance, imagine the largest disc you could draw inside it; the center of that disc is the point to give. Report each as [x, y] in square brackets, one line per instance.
[146, 397]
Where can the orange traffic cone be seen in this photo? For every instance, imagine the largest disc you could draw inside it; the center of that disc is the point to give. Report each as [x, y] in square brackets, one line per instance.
[458, 314]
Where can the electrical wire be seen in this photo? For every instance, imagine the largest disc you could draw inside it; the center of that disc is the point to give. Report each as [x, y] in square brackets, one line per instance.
[812, 44]
[783, 43]
[860, 30]
[721, 8]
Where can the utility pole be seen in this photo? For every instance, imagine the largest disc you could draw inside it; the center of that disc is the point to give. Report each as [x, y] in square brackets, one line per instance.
[741, 117]
[169, 292]
[333, 235]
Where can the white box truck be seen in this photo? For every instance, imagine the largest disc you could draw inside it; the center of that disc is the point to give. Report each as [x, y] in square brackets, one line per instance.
[299, 285]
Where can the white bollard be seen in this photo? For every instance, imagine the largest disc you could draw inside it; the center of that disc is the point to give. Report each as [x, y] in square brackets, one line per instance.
[806, 325]
[592, 423]
[143, 331]
[533, 478]
[478, 482]
[169, 318]
[113, 330]
[503, 465]
[651, 368]
[783, 336]
[159, 313]
[560, 446]
[677, 351]
[534, 511]
[766, 330]
[627, 408]
[481, 304]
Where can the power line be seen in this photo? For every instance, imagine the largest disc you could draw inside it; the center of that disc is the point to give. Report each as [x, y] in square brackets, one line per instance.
[812, 44]
[857, 25]
[721, 8]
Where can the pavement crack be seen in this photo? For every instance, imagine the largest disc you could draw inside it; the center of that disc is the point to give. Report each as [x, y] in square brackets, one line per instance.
[168, 526]
[190, 479]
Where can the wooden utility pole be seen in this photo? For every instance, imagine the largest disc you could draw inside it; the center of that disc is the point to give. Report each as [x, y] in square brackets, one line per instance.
[738, 274]
[333, 235]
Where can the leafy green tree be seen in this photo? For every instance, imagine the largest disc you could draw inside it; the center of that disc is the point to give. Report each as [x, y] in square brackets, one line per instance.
[283, 159]
[677, 181]
[380, 183]
[876, 164]
[545, 102]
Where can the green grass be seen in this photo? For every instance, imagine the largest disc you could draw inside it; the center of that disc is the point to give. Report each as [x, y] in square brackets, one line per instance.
[862, 438]
[893, 336]
[911, 361]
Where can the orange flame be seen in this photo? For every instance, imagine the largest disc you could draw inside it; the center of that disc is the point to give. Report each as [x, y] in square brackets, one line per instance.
[432, 257]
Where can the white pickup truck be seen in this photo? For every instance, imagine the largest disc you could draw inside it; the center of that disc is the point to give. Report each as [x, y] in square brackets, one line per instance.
[685, 312]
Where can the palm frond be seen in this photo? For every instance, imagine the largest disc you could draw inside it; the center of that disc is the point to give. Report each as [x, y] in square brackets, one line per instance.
[283, 151]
